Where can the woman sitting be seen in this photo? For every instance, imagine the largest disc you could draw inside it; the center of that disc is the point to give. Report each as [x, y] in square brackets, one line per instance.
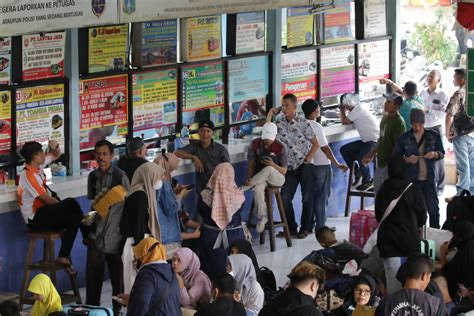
[47, 299]
[250, 291]
[363, 300]
[243, 246]
[194, 284]
[219, 205]
[169, 204]
[156, 289]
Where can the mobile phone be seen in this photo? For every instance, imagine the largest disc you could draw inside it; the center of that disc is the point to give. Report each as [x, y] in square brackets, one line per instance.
[119, 300]
[278, 109]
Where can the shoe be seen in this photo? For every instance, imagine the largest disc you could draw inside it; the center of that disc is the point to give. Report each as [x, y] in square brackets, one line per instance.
[365, 186]
[302, 234]
[357, 177]
[261, 224]
[292, 234]
[333, 229]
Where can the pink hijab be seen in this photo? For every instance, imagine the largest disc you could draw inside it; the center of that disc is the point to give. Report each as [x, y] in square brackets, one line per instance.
[223, 195]
[169, 162]
[191, 265]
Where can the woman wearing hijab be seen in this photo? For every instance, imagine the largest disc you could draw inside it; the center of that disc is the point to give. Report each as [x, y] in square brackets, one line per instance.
[219, 205]
[139, 219]
[156, 289]
[45, 294]
[250, 291]
[364, 299]
[194, 284]
[169, 204]
[243, 246]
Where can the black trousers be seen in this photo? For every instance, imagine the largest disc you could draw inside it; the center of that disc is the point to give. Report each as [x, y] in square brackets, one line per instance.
[95, 269]
[65, 215]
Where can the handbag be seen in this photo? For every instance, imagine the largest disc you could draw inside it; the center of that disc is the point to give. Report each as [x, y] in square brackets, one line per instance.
[462, 123]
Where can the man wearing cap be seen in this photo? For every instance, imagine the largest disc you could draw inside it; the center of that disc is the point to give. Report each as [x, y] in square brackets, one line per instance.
[267, 167]
[301, 143]
[136, 150]
[205, 154]
[420, 148]
[391, 127]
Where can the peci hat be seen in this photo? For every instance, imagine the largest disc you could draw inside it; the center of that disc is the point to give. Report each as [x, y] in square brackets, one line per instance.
[206, 123]
[269, 131]
[135, 144]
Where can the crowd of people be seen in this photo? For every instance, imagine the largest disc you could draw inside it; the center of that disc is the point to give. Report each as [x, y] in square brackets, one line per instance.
[161, 261]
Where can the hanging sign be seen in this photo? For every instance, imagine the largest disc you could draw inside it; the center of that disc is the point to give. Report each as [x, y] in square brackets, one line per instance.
[337, 70]
[5, 60]
[298, 74]
[108, 48]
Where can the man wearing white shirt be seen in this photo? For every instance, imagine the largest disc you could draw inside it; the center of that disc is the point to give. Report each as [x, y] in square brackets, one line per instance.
[435, 101]
[352, 112]
[322, 165]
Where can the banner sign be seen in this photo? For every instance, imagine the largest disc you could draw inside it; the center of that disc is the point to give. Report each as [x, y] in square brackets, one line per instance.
[201, 38]
[108, 48]
[5, 60]
[5, 122]
[337, 70]
[155, 97]
[374, 64]
[250, 32]
[18, 17]
[300, 27]
[43, 56]
[375, 18]
[298, 74]
[145, 10]
[248, 78]
[40, 114]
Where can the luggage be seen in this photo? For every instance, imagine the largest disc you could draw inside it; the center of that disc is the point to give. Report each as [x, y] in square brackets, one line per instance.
[460, 207]
[428, 246]
[362, 225]
[76, 310]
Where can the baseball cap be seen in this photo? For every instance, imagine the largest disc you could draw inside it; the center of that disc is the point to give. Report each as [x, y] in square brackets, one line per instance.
[395, 97]
[206, 123]
[135, 144]
[269, 131]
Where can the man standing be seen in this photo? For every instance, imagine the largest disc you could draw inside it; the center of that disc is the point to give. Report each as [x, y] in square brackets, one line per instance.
[136, 152]
[205, 154]
[296, 134]
[100, 180]
[352, 112]
[421, 148]
[462, 138]
[391, 127]
[267, 166]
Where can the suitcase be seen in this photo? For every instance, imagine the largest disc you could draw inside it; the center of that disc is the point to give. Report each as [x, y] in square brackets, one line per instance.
[362, 225]
[76, 310]
[428, 246]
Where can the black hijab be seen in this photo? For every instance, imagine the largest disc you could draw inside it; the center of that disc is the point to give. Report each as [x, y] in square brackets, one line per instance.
[370, 282]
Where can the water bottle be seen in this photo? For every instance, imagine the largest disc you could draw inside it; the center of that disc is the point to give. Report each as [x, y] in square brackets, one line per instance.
[185, 135]
[231, 137]
[164, 131]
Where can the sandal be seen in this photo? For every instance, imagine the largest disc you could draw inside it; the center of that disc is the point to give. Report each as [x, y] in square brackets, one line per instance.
[68, 267]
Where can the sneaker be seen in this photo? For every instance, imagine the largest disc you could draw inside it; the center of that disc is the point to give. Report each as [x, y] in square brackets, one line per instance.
[364, 186]
[261, 224]
[357, 176]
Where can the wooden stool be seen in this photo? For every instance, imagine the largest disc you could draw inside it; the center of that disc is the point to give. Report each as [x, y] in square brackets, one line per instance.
[352, 192]
[271, 224]
[48, 264]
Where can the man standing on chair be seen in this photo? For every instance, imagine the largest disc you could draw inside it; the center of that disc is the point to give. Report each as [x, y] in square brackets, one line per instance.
[267, 167]
[421, 148]
[301, 143]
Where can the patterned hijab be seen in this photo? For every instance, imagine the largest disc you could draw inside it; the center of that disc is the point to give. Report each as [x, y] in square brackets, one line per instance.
[223, 195]
[169, 162]
[144, 179]
[149, 250]
[41, 284]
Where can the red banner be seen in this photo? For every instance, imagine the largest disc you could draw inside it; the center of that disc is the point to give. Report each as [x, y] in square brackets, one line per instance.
[465, 15]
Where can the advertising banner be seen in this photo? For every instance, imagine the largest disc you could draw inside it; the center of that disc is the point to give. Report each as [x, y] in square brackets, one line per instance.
[201, 38]
[248, 78]
[337, 23]
[250, 32]
[300, 27]
[298, 74]
[5, 123]
[43, 56]
[375, 18]
[374, 64]
[337, 70]
[40, 114]
[18, 17]
[5, 60]
[108, 48]
[154, 99]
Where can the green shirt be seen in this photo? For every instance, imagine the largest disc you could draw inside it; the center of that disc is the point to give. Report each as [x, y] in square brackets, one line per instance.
[391, 127]
[409, 104]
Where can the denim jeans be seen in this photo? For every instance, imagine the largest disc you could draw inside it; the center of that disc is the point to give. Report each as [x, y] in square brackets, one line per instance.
[303, 175]
[464, 153]
[430, 194]
[440, 173]
[356, 151]
[322, 190]
[391, 266]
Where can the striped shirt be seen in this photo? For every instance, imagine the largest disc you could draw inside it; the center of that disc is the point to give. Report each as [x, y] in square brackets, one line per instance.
[32, 184]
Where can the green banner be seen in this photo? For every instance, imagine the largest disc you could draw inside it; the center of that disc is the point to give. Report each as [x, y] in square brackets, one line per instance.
[470, 83]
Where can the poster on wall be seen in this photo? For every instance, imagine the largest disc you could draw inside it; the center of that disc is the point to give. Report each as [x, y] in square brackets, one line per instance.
[299, 27]
[374, 18]
[155, 99]
[298, 74]
[108, 48]
[374, 64]
[154, 43]
[203, 93]
[145, 10]
[40, 114]
[18, 17]
[43, 55]
[335, 24]
[248, 88]
[104, 110]
[249, 32]
[5, 60]
[5, 125]
[201, 38]
[337, 70]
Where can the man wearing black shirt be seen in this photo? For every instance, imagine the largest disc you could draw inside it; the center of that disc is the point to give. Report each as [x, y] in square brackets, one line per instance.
[136, 149]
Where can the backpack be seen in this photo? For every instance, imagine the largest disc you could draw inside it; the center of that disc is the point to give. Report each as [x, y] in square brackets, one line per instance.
[460, 207]
[76, 310]
[268, 283]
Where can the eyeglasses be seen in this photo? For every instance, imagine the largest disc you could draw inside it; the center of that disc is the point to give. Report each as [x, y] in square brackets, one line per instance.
[361, 291]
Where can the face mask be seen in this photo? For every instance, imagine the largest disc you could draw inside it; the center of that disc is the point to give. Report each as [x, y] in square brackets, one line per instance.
[158, 185]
